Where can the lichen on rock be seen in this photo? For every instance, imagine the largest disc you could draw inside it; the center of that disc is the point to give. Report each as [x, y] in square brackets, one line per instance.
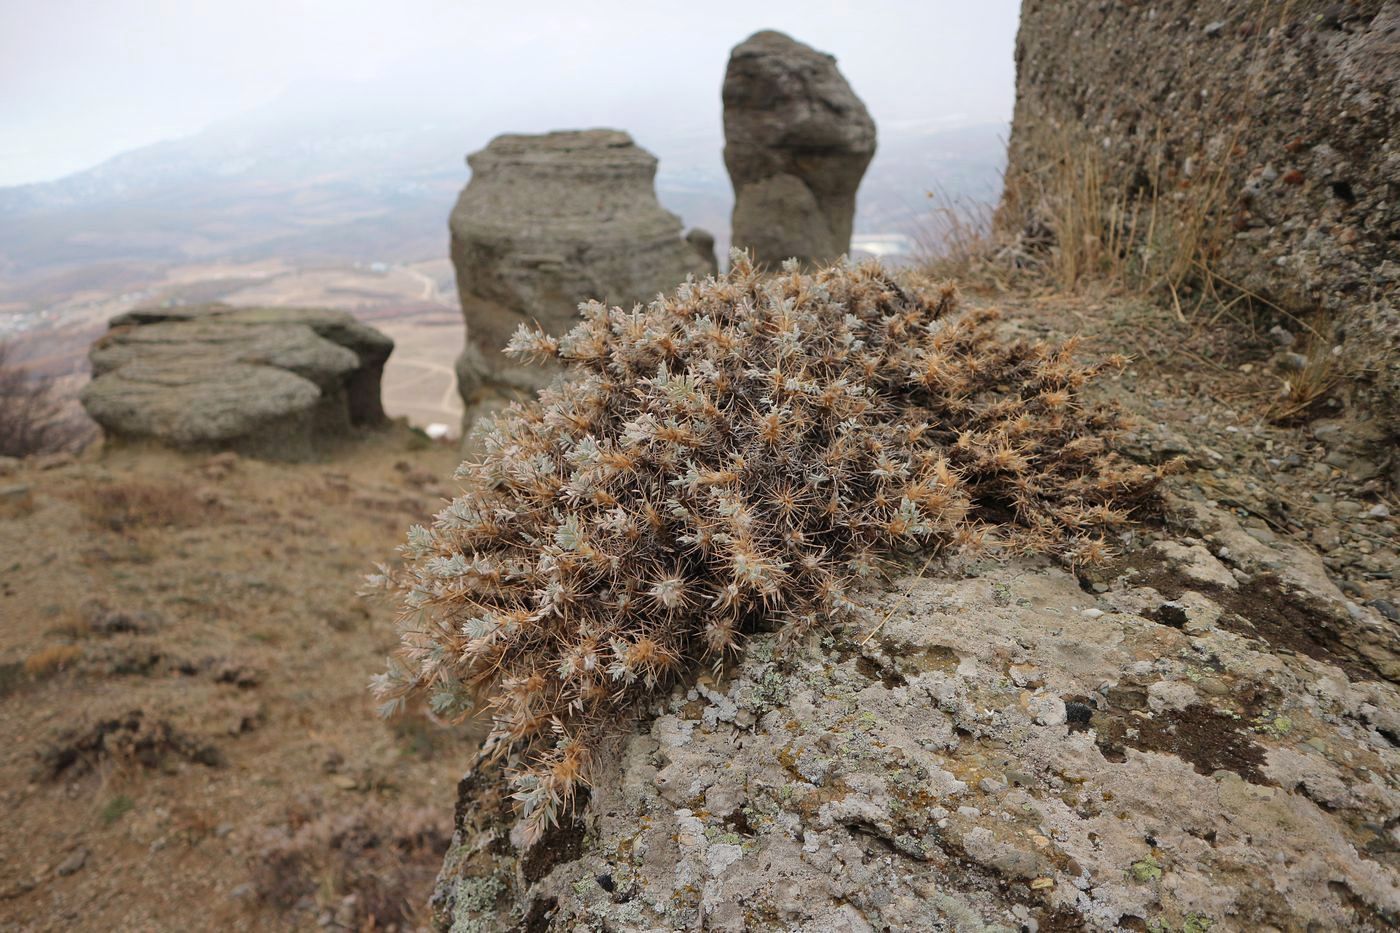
[909, 781]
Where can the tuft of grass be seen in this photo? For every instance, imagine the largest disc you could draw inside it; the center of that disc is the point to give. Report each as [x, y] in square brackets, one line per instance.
[51, 659]
[748, 451]
[1304, 391]
[116, 808]
[1065, 225]
[135, 503]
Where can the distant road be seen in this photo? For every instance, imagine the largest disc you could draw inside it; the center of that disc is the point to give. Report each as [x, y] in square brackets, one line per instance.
[430, 289]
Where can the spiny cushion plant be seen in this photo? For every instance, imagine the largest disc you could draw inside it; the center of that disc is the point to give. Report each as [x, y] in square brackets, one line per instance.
[750, 450]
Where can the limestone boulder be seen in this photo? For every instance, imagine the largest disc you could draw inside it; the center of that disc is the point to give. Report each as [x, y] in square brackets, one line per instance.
[797, 141]
[545, 223]
[998, 748]
[280, 383]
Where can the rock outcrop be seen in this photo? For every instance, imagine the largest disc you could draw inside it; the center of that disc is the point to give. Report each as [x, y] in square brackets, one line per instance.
[1206, 738]
[279, 383]
[1283, 117]
[797, 141]
[545, 223]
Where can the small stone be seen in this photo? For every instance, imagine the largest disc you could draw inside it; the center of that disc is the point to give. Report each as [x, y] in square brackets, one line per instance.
[1025, 675]
[1214, 29]
[1170, 695]
[991, 785]
[1213, 686]
[1386, 608]
[243, 890]
[1325, 538]
[73, 863]
[14, 493]
[1092, 613]
[719, 857]
[1379, 510]
[1046, 709]
[1042, 884]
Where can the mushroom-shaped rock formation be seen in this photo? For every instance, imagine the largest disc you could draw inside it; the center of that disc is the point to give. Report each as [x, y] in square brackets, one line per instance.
[547, 222]
[279, 383]
[797, 141]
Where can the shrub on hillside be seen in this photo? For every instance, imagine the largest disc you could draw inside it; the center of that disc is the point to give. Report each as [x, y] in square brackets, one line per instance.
[32, 420]
[751, 450]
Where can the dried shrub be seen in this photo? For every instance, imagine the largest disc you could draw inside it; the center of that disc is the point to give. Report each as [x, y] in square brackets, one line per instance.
[32, 420]
[129, 504]
[748, 451]
[51, 659]
[1302, 393]
[375, 865]
[132, 739]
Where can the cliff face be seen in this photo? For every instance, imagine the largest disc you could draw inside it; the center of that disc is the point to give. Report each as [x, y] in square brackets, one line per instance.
[1288, 110]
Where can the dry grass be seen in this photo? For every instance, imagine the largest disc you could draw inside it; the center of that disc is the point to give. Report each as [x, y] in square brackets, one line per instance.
[135, 503]
[1305, 390]
[52, 659]
[370, 863]
[957, 242]
[1064, 225]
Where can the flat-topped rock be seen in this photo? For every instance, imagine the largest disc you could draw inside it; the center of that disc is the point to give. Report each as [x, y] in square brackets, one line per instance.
[280, 383]
[797, 141]
[547, 222]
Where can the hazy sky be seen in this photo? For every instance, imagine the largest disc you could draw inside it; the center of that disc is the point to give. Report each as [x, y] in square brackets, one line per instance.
[82, 80]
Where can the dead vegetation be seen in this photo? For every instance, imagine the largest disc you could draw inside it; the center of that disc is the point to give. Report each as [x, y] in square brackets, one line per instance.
[132, 504]
[130, 740]
[33, 420]
[1061, 225]
[367, 866]
[750, 451]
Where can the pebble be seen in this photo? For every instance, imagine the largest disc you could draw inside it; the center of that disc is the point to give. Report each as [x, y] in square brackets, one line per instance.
[1213, 686]
[73, 863]
[1379, 510]
[1325, 538]
[1386, 608]
[14, 492]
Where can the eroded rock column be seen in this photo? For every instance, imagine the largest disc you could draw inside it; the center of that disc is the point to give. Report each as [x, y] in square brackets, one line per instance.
[797, 142]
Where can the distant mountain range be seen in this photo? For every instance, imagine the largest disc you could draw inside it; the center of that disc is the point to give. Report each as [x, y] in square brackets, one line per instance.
[340, 187]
